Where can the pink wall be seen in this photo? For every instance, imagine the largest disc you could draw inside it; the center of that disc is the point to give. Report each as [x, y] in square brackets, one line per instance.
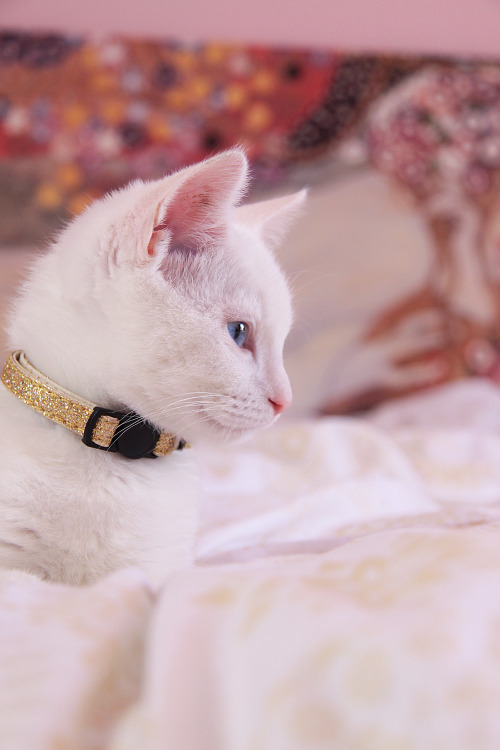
[436, 26]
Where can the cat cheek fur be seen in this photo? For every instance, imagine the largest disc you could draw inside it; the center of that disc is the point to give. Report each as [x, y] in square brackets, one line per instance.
[129, 309]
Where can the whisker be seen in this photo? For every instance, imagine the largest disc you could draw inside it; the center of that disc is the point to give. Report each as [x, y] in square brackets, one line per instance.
[184, 406]
[173, 400]
[197, 421]
[138, 420]
[172, 406]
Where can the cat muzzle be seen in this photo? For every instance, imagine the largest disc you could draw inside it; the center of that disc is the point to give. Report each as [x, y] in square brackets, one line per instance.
[104, 429]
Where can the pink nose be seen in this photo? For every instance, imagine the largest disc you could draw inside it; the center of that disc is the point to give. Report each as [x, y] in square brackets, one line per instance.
[280, 406]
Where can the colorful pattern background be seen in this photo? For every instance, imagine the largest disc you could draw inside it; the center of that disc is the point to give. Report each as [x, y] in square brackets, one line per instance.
[402, 236]
[79, 117]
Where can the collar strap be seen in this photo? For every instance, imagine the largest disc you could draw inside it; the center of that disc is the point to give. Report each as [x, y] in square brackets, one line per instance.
[104, 429]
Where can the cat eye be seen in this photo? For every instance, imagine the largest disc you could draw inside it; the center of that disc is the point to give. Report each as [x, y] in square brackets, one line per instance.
[238, 332]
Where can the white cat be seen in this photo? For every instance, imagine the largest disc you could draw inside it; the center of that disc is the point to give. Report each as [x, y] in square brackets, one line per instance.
[163, 299]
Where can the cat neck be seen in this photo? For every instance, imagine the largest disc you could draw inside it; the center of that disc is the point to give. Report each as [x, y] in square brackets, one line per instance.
[59, 340]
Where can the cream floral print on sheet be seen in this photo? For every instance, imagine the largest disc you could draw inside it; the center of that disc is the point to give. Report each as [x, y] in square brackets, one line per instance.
[378, 630]
[390, 641]
[71, 659]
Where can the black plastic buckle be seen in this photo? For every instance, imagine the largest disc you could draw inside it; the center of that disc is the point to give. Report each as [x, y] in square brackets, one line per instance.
[133, 438]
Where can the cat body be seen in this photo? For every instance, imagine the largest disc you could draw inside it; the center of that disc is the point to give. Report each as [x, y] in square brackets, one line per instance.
[163, 299]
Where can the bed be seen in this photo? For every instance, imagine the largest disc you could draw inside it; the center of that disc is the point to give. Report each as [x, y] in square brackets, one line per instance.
[343, 596]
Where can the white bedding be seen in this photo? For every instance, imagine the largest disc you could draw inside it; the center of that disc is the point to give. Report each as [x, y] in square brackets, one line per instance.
[345, 596]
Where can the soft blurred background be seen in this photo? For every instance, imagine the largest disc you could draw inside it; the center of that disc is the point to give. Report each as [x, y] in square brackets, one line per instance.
[389, 113]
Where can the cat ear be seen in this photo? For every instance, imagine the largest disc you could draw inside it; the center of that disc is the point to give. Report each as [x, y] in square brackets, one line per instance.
[193, 204]
[272, 217]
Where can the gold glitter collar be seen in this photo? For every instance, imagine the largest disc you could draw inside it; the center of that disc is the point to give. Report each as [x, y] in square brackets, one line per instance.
[112, 431]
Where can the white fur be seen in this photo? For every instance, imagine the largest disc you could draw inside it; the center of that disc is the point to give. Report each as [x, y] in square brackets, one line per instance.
[129, 309]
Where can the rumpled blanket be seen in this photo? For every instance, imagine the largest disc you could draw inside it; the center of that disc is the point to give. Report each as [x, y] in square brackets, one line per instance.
[345, 595]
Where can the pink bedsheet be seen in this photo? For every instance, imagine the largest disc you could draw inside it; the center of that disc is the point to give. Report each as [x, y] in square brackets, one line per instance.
[345, 596]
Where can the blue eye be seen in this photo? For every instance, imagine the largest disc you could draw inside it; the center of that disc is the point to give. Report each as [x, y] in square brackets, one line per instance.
[238, 332]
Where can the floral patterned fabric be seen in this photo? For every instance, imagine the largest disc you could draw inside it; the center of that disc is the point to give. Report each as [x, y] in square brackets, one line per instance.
[70, 658]
[79, 117]
[390, 641]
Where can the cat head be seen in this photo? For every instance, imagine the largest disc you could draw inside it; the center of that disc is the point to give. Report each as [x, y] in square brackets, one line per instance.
[168, 301]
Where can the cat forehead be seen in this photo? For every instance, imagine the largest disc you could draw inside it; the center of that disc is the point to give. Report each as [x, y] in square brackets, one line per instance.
[240, 280]
[260, 276]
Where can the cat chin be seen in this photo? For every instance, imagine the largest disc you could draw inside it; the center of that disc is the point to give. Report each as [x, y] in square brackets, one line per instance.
[222, 437]
[214, 432]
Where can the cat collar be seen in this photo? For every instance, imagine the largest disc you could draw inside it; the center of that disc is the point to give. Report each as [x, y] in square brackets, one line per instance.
[104, 429]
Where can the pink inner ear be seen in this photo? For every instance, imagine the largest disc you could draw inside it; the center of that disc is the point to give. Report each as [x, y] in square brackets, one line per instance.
[193, 218]
[195, 213]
